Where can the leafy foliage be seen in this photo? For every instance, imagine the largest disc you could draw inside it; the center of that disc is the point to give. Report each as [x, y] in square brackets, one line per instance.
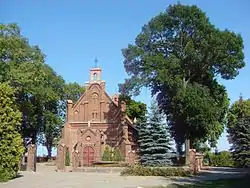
[55, 110]
[11, 144]
[21, 65]
[110, 154]
[67, 158]
[134, 109]
[106, 154]
[73, 91]
[179, 54]
[222, 159]
[41, 94]
[117, 155]
[154, 171]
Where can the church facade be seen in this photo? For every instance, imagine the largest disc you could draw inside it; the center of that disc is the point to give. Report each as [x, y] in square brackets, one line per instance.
[95, 121]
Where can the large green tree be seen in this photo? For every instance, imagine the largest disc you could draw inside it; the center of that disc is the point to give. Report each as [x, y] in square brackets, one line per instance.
[51, 108]
[73, 91]
[179, 55]
[22, 66]
[56, 92]
[40, 93]
[11, 143]
[134, 109]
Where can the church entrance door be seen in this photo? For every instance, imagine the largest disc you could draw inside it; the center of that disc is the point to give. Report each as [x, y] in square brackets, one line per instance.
[88, 156]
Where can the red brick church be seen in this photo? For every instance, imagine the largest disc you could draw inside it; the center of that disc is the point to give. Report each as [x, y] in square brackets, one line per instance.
[95, 121]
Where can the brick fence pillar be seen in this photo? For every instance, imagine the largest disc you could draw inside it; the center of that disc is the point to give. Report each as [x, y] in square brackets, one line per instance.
[31, 158]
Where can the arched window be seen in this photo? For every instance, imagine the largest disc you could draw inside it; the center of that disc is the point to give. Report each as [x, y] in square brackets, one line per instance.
[94, 76]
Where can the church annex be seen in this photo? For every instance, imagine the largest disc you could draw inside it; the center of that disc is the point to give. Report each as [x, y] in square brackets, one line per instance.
[96, 120]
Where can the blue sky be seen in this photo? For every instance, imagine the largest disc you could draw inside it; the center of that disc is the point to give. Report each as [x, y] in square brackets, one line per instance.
[73, 33]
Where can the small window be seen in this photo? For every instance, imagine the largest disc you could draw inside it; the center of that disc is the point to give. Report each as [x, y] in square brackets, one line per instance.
[95, 76]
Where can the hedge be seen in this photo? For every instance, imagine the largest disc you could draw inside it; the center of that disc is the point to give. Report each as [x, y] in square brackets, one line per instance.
[155, 171]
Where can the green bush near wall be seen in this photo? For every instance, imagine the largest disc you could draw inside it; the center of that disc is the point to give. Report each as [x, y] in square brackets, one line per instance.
[155, 171]
[117, 155]
[112, 155]
[222, 159]
[67, 159]
[11, 142]
[106, 154]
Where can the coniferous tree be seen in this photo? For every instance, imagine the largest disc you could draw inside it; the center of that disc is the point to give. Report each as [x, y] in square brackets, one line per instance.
[145, 142]
[238, 127]
[241, 142]
[160, 149]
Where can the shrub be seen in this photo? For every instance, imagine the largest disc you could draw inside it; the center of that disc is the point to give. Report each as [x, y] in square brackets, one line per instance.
[67, 159]
[110, 164]
[106, 154]
[117, 155]
[11, 143]
[110, 154]
[222, 159]
[155, 171]
[6, 175]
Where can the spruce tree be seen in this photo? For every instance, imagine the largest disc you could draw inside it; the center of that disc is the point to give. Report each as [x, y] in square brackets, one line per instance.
[145, 142]
[11, 143]
[241, 142]
[160, 149]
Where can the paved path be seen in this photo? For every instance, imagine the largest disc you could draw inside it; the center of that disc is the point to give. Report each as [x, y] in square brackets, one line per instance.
[81, 180]
[46, 177]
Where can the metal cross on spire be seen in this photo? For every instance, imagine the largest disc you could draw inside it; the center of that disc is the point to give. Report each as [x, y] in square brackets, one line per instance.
[96, 61]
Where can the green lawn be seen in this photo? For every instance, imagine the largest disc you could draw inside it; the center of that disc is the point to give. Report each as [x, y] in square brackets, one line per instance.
[230, 183]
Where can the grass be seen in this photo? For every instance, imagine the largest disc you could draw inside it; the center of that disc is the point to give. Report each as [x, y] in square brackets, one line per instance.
[243, 182]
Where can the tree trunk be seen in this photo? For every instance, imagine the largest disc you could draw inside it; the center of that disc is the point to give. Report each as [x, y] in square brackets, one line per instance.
[49, 149]
[33, 137]
[187, 147]
[187, 140]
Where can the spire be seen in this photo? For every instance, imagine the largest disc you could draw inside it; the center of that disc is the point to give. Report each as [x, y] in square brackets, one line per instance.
[95, 72]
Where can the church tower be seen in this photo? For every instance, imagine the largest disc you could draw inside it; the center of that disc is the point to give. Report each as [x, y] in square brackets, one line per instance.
[95, 76]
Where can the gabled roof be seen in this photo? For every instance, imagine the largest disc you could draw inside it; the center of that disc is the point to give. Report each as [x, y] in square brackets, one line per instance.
[130, 122]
